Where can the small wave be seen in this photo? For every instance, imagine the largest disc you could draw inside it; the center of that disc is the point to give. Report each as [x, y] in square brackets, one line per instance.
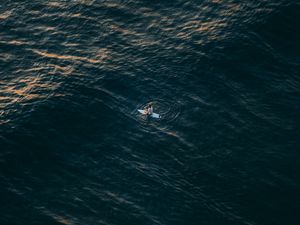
[58, 218]
[5, 15]
[99, 59]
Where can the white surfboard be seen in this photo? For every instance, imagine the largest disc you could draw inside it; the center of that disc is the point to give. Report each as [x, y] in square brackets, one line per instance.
[153, 115]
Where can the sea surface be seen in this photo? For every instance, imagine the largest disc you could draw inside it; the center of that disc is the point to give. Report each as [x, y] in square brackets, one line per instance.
[223, 75]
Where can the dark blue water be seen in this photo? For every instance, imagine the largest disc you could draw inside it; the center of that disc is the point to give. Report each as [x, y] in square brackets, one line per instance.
[224, 75]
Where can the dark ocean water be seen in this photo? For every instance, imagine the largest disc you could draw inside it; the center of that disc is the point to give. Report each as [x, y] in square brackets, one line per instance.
[224, 75]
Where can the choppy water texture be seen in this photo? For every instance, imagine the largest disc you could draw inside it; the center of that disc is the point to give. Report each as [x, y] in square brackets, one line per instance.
[224, 75]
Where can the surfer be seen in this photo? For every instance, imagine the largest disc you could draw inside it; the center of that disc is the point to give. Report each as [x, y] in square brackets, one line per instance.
[149, 109]
[148, 112]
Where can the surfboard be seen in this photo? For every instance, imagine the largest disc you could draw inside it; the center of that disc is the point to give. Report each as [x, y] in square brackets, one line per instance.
[153, 115]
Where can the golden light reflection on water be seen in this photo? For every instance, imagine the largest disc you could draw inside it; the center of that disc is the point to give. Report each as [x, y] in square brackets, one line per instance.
[25, 90]
[60, 219]
[21, 92]
[55, 4]
[100, 57]
[5, 15]
[17, 42]
[53, 69]
[40, 81]
[31, 88]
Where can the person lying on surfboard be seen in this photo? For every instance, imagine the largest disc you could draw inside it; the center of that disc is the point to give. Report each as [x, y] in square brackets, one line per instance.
[149, 109]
